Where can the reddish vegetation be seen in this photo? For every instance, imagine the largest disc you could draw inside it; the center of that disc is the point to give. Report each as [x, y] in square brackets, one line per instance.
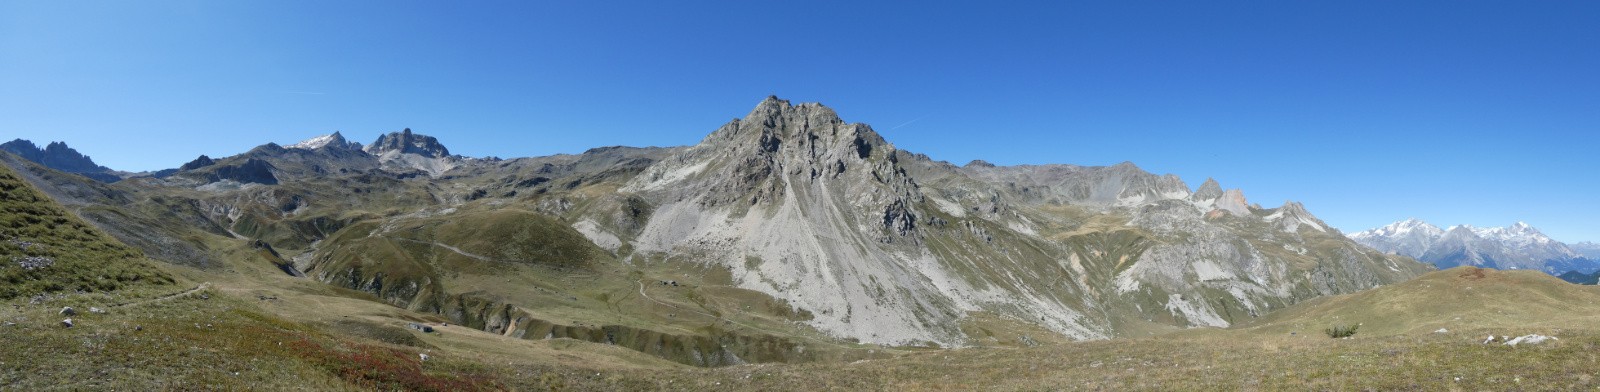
[383, 368]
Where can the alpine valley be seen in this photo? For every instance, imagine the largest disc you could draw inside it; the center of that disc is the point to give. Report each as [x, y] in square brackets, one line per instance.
[786, 236]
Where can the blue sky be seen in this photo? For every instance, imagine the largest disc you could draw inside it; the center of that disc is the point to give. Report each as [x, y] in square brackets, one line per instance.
[1368, 112]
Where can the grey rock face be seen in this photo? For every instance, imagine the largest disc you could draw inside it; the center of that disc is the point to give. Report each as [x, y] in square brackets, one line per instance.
[809, 208]
[1210, 190]
[407, 143]
[197, 163]
[255, 171]
[886, 246]
[1121, 185]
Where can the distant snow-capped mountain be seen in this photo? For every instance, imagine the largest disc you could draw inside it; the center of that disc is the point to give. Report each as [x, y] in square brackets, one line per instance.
[336, 140]
[1588, 249]
[1519, 246]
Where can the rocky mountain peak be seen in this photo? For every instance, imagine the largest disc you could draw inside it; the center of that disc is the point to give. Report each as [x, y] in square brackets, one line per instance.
[1233, 202]
[806, 130]
[1292, 216]
[1209, 190]
[197, 163]
[57, 155]
[405, 142]
[334, 140]
[1518, 246]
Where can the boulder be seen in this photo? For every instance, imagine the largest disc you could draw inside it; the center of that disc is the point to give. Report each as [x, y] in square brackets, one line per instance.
[1530, 339]
[66, 323]
[68, 311]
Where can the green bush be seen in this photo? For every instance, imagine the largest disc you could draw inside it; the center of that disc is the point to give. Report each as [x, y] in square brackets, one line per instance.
[1341, 331]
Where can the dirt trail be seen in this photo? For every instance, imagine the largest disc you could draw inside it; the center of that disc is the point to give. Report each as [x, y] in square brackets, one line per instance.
[451, 248]
[191, 290]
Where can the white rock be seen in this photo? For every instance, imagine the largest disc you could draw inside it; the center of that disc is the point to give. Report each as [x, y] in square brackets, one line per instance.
[1530, 339]
[1442, 330]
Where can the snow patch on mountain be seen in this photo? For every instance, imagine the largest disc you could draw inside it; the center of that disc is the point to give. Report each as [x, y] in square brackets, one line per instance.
[1518, 246]
[334, 139]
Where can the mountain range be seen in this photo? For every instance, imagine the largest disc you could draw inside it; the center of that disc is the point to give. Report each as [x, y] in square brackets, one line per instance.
[57, 155]
[783, 228]
[1518, 246]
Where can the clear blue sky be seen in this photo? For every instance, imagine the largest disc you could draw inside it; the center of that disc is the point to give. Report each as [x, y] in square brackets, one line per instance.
[1368, 112]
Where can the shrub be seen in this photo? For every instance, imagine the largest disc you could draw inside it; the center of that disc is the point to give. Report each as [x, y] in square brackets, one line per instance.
[1341, 331]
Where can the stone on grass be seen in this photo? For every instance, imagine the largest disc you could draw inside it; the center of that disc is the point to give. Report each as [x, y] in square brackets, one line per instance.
[68, 311]
[1530, 339]
[66, 323]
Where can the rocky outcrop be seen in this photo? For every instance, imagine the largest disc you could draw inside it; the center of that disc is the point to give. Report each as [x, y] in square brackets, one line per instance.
[251, 171]
[58, 156]
[808, 208]
[202, 161]
[405, 142]
[1099, 187]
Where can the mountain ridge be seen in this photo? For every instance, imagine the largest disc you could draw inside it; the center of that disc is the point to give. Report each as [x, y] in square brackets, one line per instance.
[1517, 246]
[836, 231]
[57, 155]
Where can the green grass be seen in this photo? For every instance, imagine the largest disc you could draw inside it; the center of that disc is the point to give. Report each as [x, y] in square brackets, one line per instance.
[206, 340]
[45, 249]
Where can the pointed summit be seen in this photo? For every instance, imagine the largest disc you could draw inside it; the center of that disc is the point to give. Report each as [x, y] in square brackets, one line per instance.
[1292, 216]
[197, 163]
[979, 163]
[1209, 190]
[809, 131]
[1233, 202]
[334, 140]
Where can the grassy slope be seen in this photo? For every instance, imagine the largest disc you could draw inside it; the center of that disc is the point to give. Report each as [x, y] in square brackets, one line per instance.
[68, 254]
[199, 343]
[1396, 349]
[1454, 299]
